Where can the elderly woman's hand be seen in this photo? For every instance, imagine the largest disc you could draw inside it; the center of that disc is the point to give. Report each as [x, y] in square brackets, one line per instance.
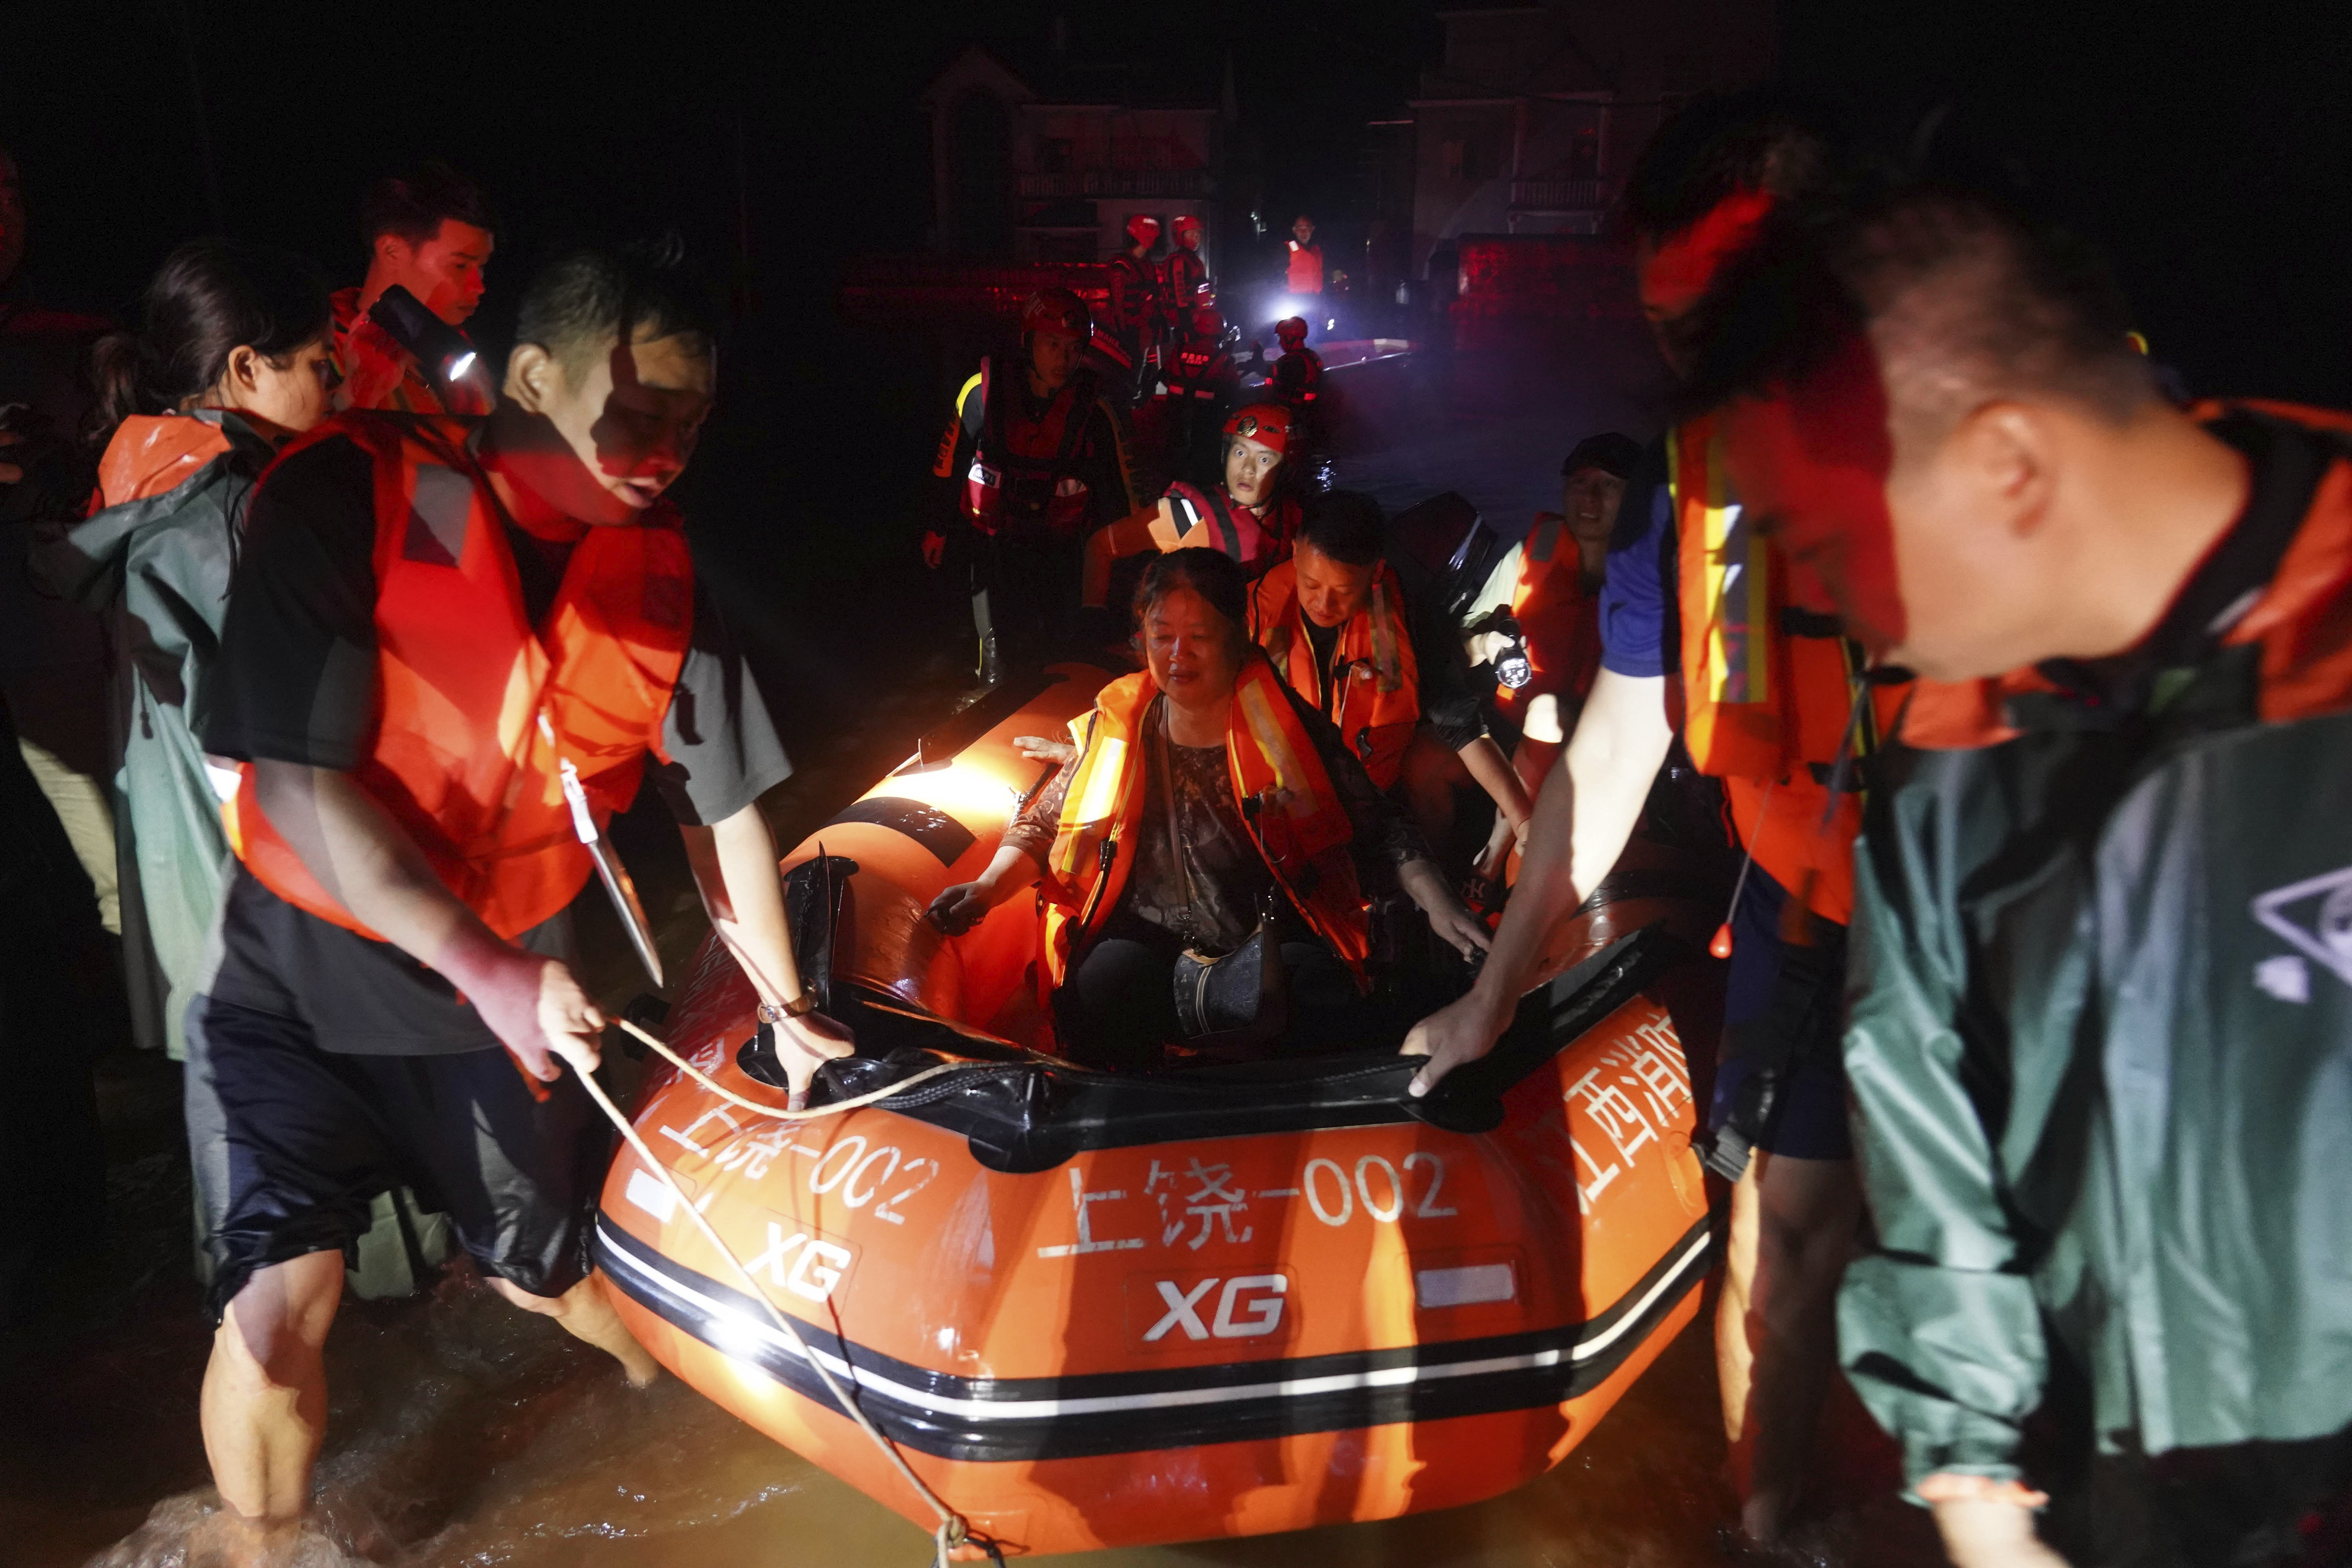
[959, 908]
[1039, 749]
[1455, 924]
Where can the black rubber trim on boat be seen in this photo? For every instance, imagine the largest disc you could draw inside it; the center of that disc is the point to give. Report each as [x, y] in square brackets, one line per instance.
[1022, 1112]
[1008, 1419]
[927, 825]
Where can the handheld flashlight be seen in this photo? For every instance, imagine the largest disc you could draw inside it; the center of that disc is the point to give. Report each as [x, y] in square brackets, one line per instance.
[439, 347]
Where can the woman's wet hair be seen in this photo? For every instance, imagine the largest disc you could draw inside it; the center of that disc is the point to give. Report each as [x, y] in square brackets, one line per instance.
[599, 295]
[1345, 525]
[210, 298]
[1217, 576]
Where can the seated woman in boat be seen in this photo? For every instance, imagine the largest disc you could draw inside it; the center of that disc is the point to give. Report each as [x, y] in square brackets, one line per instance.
[1207, 815]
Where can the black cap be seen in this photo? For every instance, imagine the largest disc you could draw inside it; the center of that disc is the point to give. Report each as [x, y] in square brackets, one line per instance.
[1610, 452]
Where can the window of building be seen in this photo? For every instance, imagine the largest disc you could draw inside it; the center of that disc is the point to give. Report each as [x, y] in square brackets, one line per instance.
[1057, 155]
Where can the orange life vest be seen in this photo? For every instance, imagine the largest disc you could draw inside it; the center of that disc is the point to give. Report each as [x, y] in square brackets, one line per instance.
[2307, 662]
[1305, 272]
[1376, 690]
[1300, 825]
[1559, 623]
[462, 681]
[1768, 689]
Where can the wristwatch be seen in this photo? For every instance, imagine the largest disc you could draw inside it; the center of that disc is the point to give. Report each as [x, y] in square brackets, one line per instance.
[799, 1007]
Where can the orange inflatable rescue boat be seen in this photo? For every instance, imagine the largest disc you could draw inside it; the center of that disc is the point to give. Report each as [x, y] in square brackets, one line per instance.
[1092, 1310]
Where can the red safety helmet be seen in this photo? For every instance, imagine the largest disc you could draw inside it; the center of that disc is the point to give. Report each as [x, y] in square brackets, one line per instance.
[1056, 310]
[1186, 222]
[1266, 422]
[1142, 228]
[1291, 330]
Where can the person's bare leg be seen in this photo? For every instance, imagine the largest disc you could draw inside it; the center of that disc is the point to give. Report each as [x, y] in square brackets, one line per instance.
[1806, 1214]
[263, 1406]
[587, 1315]
[1734, 1357]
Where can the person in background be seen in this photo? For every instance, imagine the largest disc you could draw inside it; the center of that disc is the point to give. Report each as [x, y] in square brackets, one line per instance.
[1137, 305]
[235, 356]
[52, 652]
[428, 231]
[1036, 458]
[2100, 1039]
[1298, 377]
[406, 675]
[1303, 259]
[1332, 619]
[1775, 702]
[1188, 750]
[1183, 280]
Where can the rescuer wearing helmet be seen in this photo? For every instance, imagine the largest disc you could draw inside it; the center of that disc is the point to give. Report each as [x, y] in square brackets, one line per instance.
[1774, 702]
[451, 644]
[428, 231]
[1137, 303]
[1303, 263]
[1251, 515]
[2100, 1038]
[1184, 279]
[1298, 377]
[1332, 619]
[1197, 384]
[1036, 458]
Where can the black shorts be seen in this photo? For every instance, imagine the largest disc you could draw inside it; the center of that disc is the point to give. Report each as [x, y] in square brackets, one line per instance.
[311, 1136]
[1807, 1116]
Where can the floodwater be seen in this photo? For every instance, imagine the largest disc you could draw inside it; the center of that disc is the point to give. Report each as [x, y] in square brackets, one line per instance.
[463, 1432]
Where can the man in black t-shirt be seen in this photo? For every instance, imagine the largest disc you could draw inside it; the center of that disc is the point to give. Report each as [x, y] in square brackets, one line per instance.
[390, 949]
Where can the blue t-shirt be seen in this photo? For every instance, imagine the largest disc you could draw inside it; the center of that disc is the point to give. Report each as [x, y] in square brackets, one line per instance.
[1639, 633]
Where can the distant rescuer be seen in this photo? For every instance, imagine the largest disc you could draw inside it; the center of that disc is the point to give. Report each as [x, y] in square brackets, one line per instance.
[1303, 267]
[1036, 458]
[431, 620]
[2101, 1012]
[1771, 698]
[430, 231]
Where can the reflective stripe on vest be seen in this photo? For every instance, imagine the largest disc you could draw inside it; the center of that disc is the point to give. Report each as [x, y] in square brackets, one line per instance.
[1301, 827]
[459, 759]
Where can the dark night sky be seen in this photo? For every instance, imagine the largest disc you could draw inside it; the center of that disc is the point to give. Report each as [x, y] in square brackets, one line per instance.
[2211, 148]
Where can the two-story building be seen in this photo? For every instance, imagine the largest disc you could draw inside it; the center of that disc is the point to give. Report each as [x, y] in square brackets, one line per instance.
[1043, 159]
[1531, 120]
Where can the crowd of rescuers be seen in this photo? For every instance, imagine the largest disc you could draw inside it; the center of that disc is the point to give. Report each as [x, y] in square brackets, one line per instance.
[356, 875]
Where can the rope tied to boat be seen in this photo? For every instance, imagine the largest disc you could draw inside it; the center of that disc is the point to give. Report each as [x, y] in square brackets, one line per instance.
[953, 1532]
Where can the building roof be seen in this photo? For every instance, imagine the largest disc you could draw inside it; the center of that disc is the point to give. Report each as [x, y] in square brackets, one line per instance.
[1036, 72]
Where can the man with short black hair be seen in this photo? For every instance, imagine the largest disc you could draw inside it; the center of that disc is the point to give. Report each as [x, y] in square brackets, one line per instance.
[2100, 1039]
[1332, 619]
[429, 231]
[442, 630]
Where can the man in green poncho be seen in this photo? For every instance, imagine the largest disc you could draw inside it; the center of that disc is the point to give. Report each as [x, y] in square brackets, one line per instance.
[2101, 995]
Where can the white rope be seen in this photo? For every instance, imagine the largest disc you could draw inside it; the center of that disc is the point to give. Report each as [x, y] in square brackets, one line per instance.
[953, 1530]
[782, 1112]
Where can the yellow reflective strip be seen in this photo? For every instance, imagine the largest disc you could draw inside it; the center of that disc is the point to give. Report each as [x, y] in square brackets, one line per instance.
[1736, 667]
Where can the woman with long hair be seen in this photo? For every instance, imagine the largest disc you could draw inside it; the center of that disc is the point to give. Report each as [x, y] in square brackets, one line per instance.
[232, 358]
